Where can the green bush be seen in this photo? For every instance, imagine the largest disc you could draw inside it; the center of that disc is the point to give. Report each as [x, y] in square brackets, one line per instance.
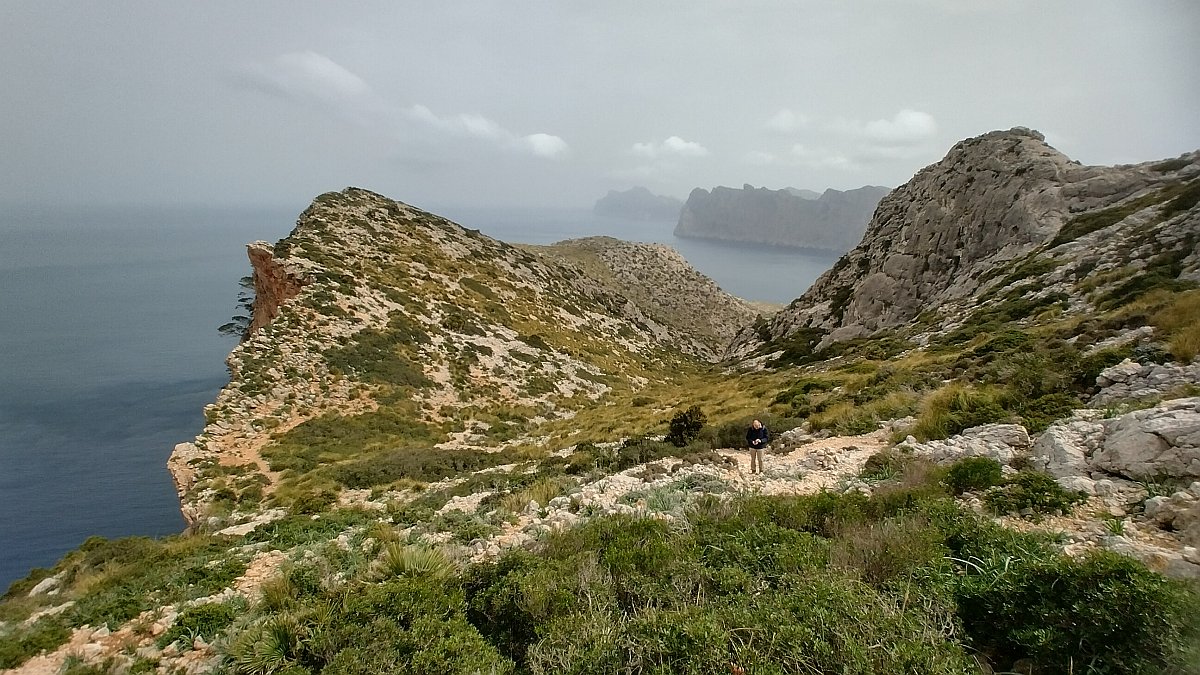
[883, 465]
[378, 356]
[1034, 491]
[904, 581]
[686, 426]
[333, 437]
[420, 464]
[973, 474]
[24, 643]
[1105, 613]
[204, 621]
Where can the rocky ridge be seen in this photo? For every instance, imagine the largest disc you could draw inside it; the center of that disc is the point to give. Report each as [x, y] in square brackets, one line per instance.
[475, 324]
[1003, 216]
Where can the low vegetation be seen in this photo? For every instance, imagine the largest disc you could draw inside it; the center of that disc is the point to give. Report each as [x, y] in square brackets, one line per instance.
[904, 581]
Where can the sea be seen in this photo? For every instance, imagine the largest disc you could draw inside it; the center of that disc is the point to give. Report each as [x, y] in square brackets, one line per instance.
[109, 347]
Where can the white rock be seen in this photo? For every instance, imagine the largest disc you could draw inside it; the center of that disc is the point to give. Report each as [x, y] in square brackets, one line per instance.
[1148, 444]
[45, 585]
[1062, 449]
[1078, 484]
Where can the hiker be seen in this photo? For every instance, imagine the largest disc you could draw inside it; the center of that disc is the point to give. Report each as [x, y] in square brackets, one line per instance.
[757, 438]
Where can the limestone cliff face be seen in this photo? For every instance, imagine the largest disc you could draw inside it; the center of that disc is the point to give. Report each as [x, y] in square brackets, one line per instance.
[936, 241]
[831, 221]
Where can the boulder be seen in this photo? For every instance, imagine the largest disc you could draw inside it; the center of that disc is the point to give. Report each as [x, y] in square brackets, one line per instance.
[1163, 441]
[1000, 442]
[1063, 449]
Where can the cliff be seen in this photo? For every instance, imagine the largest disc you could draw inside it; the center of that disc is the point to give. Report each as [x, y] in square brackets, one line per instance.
[833, 221]
[637, 203]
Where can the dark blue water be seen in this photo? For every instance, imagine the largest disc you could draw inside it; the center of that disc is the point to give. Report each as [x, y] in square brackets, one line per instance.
[109, 349]
[108, 354]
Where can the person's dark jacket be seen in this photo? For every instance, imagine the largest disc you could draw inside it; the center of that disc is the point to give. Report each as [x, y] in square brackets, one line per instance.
[761, 434]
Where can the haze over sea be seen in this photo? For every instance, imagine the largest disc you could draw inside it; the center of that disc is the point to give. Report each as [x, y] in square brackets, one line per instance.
[109, 349]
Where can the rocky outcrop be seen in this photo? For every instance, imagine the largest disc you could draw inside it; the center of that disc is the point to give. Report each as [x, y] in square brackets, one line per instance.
[1001, 442]
[658, 279]
[274, 283]
[1132, 380]
[1116, 462]
[834, 221]
[986, 224]
[1159, 443]
[1163, 441]
[637, 203]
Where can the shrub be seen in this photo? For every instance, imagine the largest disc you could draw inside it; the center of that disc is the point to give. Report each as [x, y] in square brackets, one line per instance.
[204, 621]
[308, 503]
[333, 437]
[954, 408]
[686, 426]
[883, 465]
[1105, 613]
[24, 643]
[1179, 322]
[421, 464]
[415, 560]
[972, 474]
[888, 550]
[1185, 344]
[463, 526]
[375, 356]
[1034, 491]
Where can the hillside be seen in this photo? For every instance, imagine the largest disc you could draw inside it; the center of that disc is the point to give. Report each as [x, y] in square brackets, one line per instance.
[441, 335]
[1006, 218]
[833, 220]
[441, 453]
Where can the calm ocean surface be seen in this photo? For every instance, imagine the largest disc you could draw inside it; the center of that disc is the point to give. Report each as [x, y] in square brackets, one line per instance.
[109, 349]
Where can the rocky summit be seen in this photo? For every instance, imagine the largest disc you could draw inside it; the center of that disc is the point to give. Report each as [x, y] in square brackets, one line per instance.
[1004, 216]
[438, 452]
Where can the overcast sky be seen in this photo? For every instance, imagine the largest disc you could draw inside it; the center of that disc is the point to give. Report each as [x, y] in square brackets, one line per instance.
[546, 103]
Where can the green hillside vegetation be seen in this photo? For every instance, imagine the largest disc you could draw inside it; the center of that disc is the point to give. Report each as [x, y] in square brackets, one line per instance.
[903, 581]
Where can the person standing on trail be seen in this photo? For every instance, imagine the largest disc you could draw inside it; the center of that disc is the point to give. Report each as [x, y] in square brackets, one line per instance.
[757, 438]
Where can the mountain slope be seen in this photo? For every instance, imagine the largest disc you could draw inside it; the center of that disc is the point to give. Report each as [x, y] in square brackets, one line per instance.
[430, 334]
[999, 211]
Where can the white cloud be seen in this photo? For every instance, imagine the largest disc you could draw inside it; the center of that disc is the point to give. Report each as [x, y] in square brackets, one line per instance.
[315, 78]
[474, 125]
[787, 122]
[906, 127]
[672, 146]
[308, 75]
[545, 145]
[471, 125]
[821, 158]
